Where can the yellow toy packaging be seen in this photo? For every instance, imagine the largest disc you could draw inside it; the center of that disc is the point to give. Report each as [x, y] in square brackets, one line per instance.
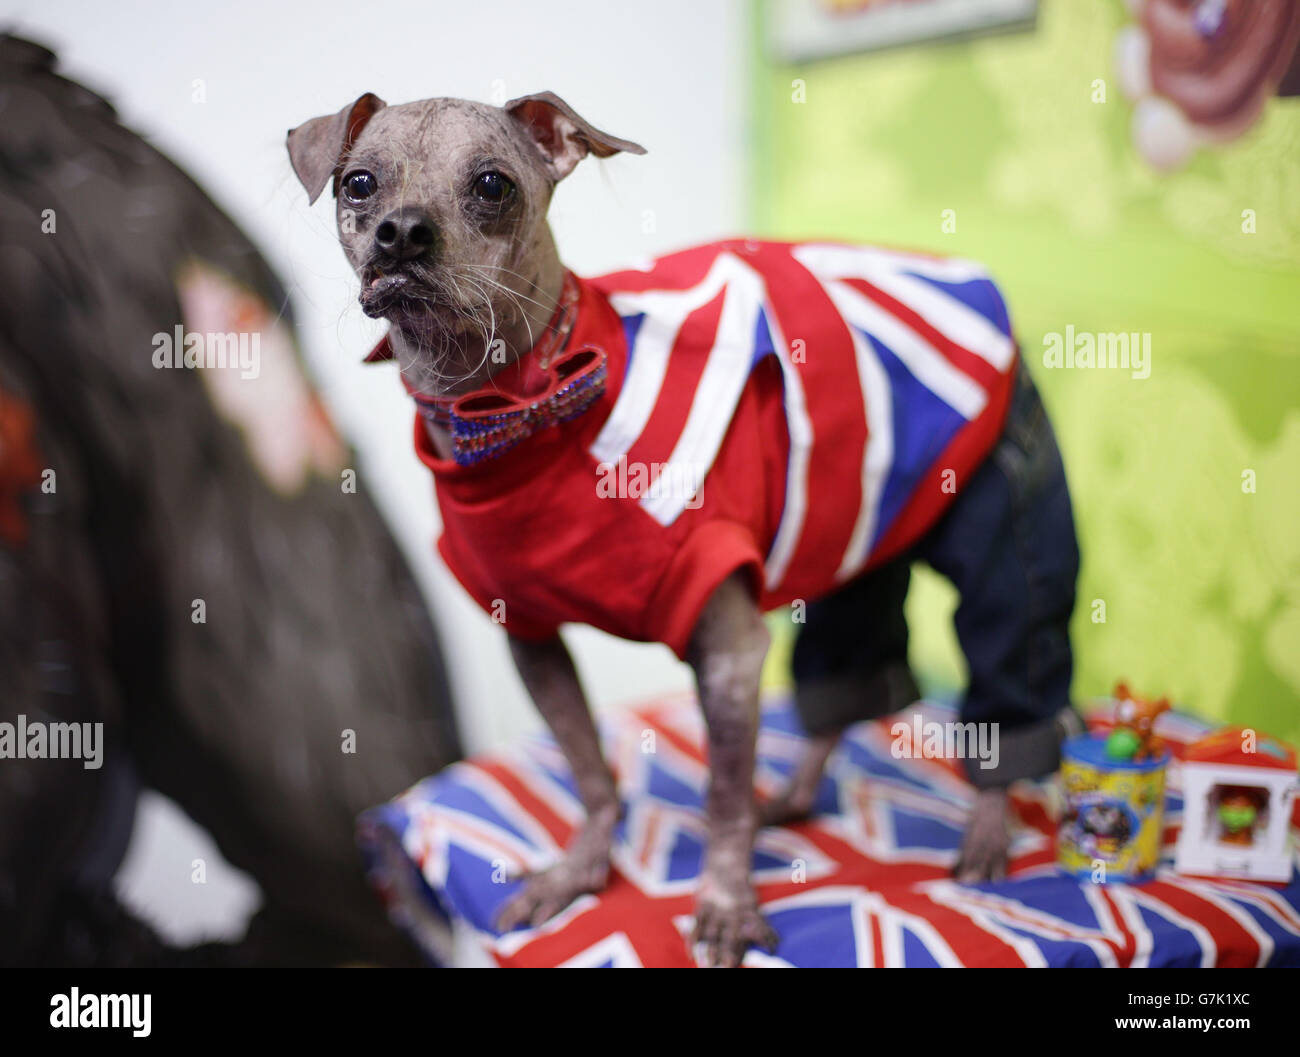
[1114, 812]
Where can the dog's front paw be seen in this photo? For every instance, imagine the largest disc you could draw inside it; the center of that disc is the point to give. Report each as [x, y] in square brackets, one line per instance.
[546, 893]
[727, 923]
[584, 869]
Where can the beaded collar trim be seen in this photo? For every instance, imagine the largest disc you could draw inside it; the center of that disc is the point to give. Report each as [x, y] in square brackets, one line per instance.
[558, 387]
[486, 423]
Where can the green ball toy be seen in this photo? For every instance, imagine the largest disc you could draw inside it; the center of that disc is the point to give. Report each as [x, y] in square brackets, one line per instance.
[1122, 744]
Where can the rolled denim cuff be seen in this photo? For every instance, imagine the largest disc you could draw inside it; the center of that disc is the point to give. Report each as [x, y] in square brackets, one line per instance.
[1032, 750]
[827, 706]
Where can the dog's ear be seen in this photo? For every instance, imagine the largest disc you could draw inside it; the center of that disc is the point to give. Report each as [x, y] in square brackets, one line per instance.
[561, 136]
[318, 147]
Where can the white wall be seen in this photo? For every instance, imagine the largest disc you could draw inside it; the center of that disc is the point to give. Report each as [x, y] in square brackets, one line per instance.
[668, 74]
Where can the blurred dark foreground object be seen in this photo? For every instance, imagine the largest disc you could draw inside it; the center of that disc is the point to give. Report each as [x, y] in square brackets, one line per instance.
[182, 561]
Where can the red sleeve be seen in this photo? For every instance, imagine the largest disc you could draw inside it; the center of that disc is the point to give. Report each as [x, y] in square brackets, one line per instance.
[711, 553]
[516, 623]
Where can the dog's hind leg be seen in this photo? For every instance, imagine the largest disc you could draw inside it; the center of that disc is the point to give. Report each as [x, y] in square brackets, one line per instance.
[850, 664]
[1008, 545]
[796, 800]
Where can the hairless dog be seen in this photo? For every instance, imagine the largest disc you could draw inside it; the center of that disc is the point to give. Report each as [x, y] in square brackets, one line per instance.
[441, 209]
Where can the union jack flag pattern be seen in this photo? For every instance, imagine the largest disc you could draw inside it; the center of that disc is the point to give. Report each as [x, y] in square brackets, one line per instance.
[803, 411]
[865, 882]
[894, 367]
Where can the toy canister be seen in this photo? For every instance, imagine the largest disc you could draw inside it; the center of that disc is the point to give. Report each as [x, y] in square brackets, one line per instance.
[1114, 812]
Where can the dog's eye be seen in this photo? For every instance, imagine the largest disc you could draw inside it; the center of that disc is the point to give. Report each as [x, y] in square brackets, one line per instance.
[492, 187]
[359, 185]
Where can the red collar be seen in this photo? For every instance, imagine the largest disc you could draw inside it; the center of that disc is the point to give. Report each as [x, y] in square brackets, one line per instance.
[544, 387]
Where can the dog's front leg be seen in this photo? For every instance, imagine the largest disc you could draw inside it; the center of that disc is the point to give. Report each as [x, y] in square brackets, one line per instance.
[727, 651]
[549, 676]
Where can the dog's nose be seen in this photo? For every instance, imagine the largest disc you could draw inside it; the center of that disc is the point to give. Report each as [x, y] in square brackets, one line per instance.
[406, 234]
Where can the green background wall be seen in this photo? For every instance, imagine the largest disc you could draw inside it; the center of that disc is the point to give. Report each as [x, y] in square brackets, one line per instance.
[1200, 579]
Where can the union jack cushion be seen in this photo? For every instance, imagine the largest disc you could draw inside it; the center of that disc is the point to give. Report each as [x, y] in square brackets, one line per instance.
[865, 882]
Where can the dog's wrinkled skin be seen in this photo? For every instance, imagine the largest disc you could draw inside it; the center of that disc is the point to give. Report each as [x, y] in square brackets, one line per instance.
[468, 285]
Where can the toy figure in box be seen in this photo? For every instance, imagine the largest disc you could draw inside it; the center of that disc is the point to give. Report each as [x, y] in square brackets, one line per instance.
[1238, 787]
[1238, 811]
